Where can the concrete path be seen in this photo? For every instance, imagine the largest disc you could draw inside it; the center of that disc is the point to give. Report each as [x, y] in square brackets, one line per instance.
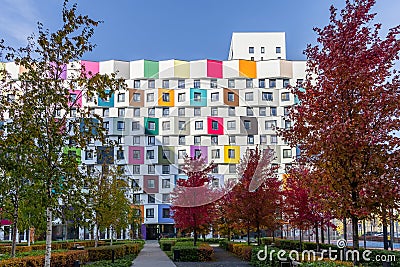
[152, 256]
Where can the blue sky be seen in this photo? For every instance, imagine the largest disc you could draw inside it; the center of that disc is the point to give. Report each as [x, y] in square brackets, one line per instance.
[181, 29]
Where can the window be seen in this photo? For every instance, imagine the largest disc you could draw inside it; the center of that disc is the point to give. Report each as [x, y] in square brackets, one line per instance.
[288, 167]
[261, 83]
[214, 97]
[73, 112]
[215, 169]
[231, 83]
[249, 83]
[231, 153]
[272, 83]
[214, 125]
[151, 125]
[165, 169]
[197, 111]
[267, 96]
[165, 97]
[121, 97]
[275, 167]
[120, 154]
[152, 112]
[165, 112]
[166, 125]
[287, 153]
[262, 49]
[165, 199]
[272, 111]
[262, 111]
[182, 125]
[121, 139]
[181, 111]
[181, 97]
[214, 111]
[166, 183]
[250, 139]
[286, 83]
[231, 111]
[151, 169]
[136, 140]
[150, 154]
[151, 140]
[249, 111]
[136, 169]
[215, 153]
[135, 125]
[270, 125]
[232, 168]
[299, 82]
[288, 124]
[136, 154]
[120, 125]
[121, 112]
[165, 212]
[252, 58]
[197, 153]
[196, 84]
[198, 125]
[136, 84]
[165, 83]
[150, 97]
[106, 125]
[286, 111]
[197, 97]
[197, 140]
[151, 199]
[135, 183]
[213, 83]
[214, 140]
[231, 125]
[151, 84]
[181, 154]
[278, 49]
[151, 183]
[262, 58]
[247, 125]
[285, 96]
[88, 154]
[251, 50]
[274, 139]
[232, 140]
[165, 140]
[181, 83]
[263, 139]
[249, 96]
[182, 140]
[106, 112]
[231, 97]
[149, 213]
[166, 154]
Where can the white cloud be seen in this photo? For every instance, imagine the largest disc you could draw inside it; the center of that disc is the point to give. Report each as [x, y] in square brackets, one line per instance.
[18, 20]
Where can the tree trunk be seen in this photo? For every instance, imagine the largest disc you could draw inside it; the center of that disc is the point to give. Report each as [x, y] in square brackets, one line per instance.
[322, 233]
[29, 237]
[96, 236]
[248, 235]
[356, 245]
[385, 233]
[391, 232]
[301, 238]
[111, 235]
[14, 229]
[329, 233]
[258, 234]
[345, 229]
[49, 225]
[317, 236]
[229, 234]
[365, 237]
[194, 236]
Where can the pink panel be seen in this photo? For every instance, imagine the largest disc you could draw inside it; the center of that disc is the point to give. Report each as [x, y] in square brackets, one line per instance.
[214, 68]
[131, 160]
[78, 102]
[92, 67]
[220, 122]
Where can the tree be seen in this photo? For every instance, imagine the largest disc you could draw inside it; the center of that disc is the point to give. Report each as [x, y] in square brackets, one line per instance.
[256, 198]
[49, 112]
[193, 199]
[349, 109]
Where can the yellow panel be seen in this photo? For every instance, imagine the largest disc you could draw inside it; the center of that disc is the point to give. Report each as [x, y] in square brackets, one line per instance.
[181, 69]
[237, 154]
[171, 101]
[247, 69]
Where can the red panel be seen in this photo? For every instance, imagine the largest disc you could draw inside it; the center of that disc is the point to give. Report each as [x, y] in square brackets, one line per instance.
[220, 125]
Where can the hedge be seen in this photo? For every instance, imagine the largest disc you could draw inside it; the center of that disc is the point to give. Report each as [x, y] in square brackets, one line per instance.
[243, 251]
[105, 252]
[166, 245]
[190, 253]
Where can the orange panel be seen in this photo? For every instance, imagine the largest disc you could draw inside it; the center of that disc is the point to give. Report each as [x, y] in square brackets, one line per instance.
[163, 101]
[247, 69]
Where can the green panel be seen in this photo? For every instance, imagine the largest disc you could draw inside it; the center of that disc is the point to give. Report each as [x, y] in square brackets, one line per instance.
[146, 126]
[2, 70]
[67, 149]
[165, 161]
[150, 69]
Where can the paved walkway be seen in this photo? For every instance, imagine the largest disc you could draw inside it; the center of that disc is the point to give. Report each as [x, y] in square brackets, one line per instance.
[222, 258]
[152, 256]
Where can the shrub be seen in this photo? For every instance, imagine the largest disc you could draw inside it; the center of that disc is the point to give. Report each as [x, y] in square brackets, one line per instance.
[243, 251]
[166, 245]
[105, 252]
[7, 249]
[214, 240]
[205, 252]
[189, 253]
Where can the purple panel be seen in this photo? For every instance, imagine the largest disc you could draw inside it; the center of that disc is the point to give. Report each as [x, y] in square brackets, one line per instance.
[63, 74]
[143, 230]
[203, 149]
[131, 160]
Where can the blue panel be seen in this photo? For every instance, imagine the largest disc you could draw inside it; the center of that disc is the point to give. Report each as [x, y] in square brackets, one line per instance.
[104, 103]
[160, 213]
[296, 99]
[198, 102]
[94, 124]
